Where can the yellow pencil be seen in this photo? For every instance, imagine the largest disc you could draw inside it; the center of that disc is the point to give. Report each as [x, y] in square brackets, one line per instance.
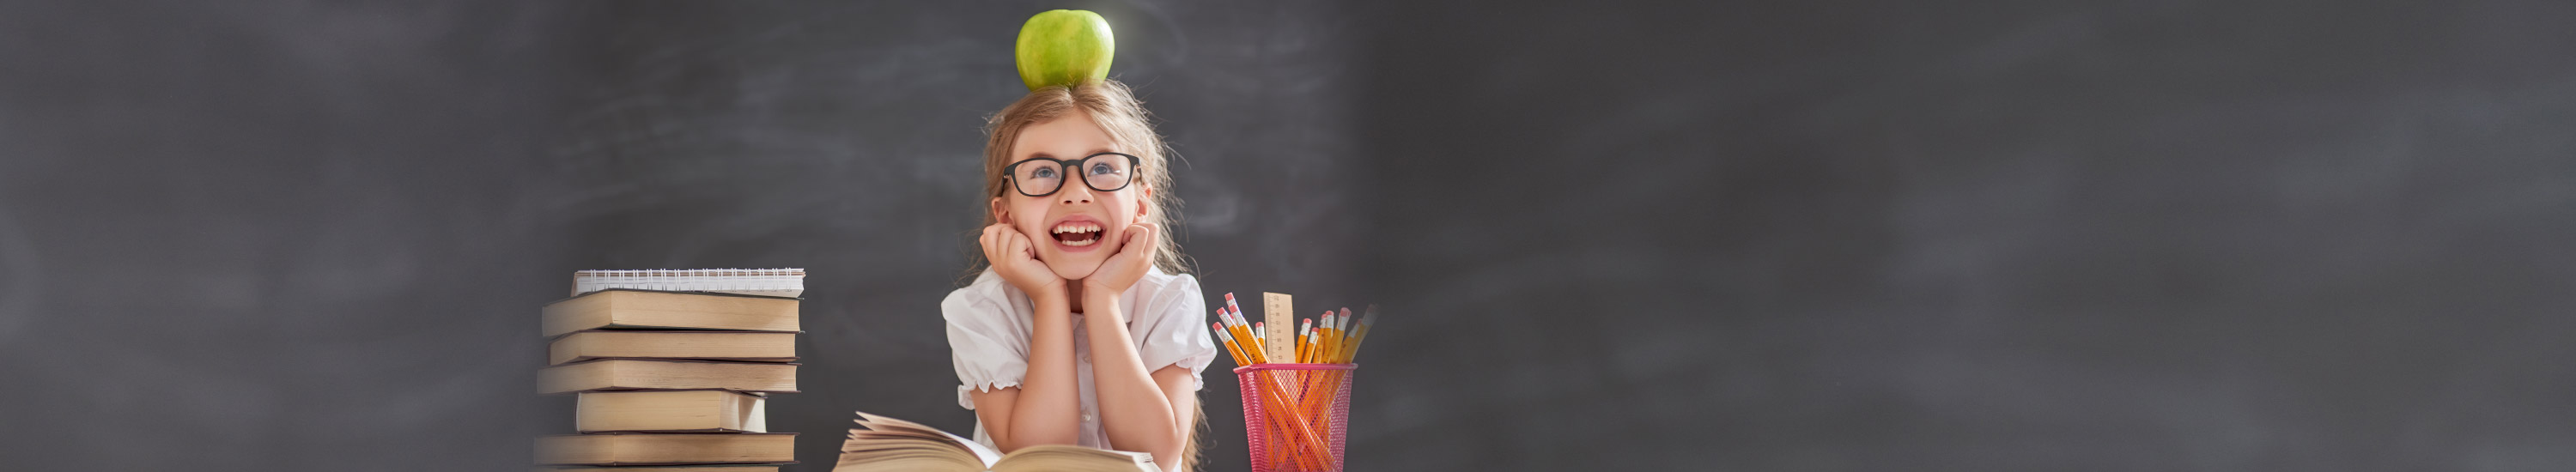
[1352, 351]
[1320, 357]
[1342, 349]
[1340, 336]
[1324, 338]
[1305, 330]
[1244, 339]
[1333, 339]
[1315, 343]
[1306, 342]
[1230, 348]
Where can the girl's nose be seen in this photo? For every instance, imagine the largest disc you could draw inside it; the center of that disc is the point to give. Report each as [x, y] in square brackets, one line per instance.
[1075, 193]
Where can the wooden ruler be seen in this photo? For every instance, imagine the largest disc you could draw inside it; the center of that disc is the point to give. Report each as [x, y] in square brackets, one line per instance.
[1279, 318]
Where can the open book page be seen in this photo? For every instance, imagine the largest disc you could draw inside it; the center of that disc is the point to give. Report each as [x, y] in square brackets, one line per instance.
[1075, 459]
[888, 444]
[896, 426]
[879, 451]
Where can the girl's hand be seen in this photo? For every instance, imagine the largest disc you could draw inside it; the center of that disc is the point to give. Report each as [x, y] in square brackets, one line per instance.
[1016, 259]
[1135, 254]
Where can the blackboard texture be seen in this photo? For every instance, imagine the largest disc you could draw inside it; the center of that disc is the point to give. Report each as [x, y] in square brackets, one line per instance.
[1972, 236]
[277, 235]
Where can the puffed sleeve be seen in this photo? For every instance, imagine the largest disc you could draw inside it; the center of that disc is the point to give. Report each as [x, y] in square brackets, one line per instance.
[1171, 331]
[989, 350]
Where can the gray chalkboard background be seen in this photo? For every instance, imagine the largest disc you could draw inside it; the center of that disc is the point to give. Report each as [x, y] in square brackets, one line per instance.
[1883, 235]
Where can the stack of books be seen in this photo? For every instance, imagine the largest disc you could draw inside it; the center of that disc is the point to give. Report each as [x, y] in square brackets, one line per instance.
[672, 369]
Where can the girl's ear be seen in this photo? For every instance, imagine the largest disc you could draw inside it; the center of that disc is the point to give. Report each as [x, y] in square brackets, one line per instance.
[1001, 213]
[1149, 201]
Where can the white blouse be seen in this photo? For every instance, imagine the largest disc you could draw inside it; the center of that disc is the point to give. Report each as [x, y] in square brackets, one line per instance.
[989, 326]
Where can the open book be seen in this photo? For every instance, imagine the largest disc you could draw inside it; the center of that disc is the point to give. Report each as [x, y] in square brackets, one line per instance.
[888, 444]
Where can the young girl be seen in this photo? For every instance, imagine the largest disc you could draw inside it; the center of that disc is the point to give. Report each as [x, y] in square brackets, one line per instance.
[1081, 329]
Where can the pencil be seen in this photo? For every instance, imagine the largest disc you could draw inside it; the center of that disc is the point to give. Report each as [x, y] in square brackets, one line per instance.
[1349, 324]
[1324, 345]
[1342, 348]
[1315, 341]
[1306, 340]
[1253, 342]
[1298, 343]
[1224, 325]
[1360, 335]
[1230, 348]
[1315, 345]
[1332, 338]
[1243, 340]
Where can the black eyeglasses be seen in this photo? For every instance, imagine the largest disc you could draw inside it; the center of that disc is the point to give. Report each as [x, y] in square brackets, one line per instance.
[1044, 178]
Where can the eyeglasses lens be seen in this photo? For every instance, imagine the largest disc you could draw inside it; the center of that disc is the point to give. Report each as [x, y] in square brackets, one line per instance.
[1038, 177]
[1107, 172]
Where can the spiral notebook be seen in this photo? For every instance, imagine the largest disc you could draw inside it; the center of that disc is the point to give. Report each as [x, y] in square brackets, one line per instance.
[788, 283]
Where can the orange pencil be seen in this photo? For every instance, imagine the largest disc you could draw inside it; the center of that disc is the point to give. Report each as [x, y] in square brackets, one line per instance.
[1360, 335]
[1314, 345]
[1324, 353]
[1305, 328]
[1244, 339]
[1230, 348]
[1342, 345]
[1332, 338]
[1308, 340]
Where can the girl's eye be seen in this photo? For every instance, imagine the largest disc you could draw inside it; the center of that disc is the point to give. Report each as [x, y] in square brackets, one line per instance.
[1103, 169]
[1042, 174]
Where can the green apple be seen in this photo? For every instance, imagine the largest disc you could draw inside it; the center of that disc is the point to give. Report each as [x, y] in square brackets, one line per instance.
[1064, 47]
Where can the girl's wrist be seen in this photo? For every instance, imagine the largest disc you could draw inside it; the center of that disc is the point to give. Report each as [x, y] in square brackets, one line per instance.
[1050, 295]
[1093, 287]
[1051, 304]
[1097, 300]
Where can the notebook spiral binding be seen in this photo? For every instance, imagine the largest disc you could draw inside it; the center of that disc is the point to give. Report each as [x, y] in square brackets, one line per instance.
[765, 282]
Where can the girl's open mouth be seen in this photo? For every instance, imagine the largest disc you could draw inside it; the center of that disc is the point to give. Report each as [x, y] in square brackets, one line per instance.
[1076, 233]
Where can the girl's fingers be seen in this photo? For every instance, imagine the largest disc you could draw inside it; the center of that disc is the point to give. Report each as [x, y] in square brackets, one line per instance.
[1148, 232]
[992, 243]
[984, 243]
[1140, 241]
[1127, 237]
[1020, 246]
[1007, 245]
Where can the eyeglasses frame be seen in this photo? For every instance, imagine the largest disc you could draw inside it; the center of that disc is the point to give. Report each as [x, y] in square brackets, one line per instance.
[1011, 172]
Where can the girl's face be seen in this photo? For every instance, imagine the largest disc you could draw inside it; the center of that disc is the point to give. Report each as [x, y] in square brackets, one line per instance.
[1077, 227]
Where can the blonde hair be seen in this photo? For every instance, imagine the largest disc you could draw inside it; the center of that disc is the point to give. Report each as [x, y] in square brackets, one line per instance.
[1109, 104]
[1112, 106]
